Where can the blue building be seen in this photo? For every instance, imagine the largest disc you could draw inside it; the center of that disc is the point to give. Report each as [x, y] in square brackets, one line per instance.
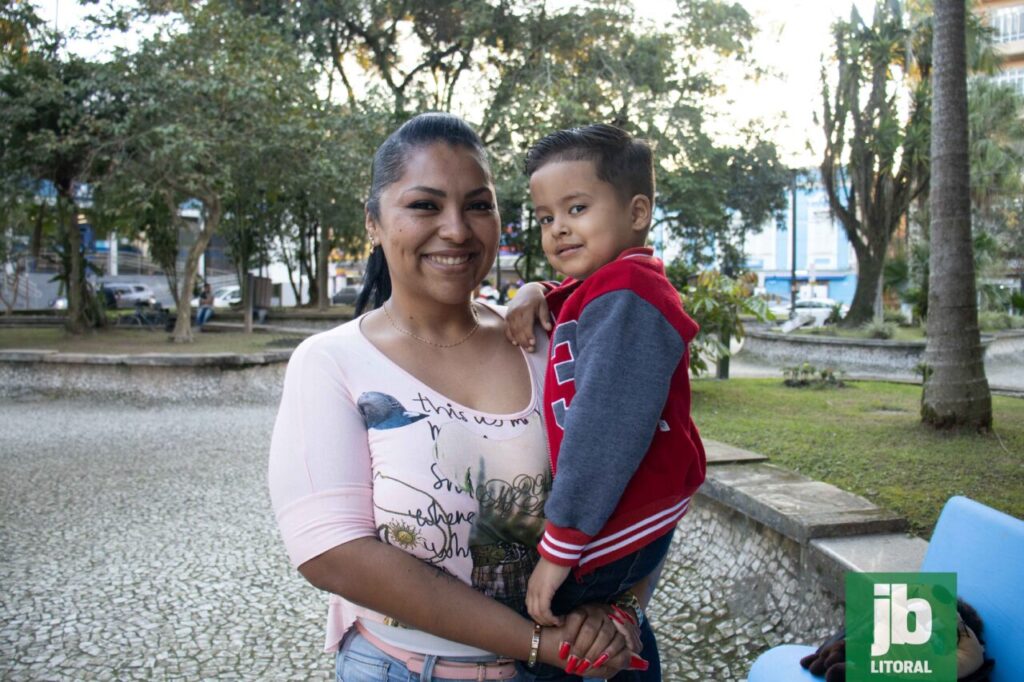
[826, 266]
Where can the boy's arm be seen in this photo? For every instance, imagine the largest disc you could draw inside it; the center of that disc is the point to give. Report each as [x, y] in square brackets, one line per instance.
[625, 353]
[528, 307]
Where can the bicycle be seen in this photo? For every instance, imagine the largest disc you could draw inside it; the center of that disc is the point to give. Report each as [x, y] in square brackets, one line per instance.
[151, 320]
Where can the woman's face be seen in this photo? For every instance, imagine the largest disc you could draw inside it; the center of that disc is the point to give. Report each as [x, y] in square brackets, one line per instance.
[439, 224]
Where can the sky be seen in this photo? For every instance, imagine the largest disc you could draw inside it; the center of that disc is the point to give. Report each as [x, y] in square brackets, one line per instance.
[793, 36]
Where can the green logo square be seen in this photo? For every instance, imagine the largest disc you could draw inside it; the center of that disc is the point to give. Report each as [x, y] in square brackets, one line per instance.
[901, 626]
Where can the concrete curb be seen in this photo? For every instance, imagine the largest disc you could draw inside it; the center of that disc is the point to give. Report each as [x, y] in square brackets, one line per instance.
[152, 378]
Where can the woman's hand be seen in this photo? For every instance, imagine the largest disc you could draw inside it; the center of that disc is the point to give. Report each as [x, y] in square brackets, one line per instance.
[524, 310]
[591, 643]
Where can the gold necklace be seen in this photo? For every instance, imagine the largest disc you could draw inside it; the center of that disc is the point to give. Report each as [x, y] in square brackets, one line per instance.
[476, 325]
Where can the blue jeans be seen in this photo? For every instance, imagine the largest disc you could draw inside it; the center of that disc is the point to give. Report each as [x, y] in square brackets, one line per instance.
[603, 585]
[204, 315]
[359, 661]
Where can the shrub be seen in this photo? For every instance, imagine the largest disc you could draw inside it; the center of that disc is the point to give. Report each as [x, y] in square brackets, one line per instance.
[879, 330]
[807, 375]
[894, 316]
[719, 304]
[835, 314]
[999, 321]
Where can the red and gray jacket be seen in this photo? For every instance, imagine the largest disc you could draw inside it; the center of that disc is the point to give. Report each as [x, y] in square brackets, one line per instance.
[625, 452]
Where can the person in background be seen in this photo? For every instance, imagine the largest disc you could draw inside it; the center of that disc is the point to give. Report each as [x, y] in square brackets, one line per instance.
[205, 307]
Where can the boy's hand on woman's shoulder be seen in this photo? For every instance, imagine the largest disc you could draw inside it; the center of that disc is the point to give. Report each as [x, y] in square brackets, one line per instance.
[526, 309]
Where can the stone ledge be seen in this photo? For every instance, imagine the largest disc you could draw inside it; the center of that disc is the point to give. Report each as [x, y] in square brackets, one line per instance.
[723, 453]
[821, 339]
[799, 508]
[224, 360]
[831, 558]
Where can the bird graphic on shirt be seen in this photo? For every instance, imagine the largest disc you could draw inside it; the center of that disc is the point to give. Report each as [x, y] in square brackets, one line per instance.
[382, 411]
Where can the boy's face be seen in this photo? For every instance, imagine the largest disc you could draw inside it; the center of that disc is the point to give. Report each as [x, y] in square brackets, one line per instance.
[584, 223]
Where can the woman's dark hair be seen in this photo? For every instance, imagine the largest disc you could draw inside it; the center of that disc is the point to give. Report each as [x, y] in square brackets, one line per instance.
[623, 161]
[388, 167]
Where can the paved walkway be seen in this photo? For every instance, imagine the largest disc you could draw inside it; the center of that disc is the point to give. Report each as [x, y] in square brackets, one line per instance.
[140, 544]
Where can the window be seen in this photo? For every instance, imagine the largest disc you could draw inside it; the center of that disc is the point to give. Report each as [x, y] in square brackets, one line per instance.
[1009, 24]
[1012, 77]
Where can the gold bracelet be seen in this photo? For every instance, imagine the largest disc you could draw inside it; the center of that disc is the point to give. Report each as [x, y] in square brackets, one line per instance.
[534, 646]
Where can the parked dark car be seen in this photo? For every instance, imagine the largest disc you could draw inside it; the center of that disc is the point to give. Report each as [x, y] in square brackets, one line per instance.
[347, 294]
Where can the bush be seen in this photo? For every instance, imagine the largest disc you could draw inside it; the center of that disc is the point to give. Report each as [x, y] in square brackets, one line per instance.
[719, 304]
[895, 316]
[807, 375]
[879, 330]
[999, 321]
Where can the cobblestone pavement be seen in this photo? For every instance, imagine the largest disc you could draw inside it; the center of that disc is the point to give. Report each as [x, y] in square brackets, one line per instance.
[140, 544]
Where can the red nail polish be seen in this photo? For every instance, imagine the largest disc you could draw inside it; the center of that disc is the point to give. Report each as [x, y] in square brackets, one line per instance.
[612, 616]
[601, 660]
[583, 667]
[624, 614]
[563, 650]
[570, 667]
[637, 663]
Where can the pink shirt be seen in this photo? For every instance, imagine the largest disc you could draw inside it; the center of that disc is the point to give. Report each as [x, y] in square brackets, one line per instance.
[361, 448]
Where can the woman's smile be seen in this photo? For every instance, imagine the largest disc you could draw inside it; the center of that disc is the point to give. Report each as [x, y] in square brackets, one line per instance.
[449, 260]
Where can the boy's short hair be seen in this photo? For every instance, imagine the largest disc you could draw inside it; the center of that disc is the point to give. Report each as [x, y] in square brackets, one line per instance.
[623, 161]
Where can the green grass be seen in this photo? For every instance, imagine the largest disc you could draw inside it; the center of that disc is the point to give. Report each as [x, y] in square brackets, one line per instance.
[868, 439]
[118, 341]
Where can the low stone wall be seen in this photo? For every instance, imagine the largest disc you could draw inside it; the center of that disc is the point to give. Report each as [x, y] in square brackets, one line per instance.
[214, 379]
[853, 355]
[1007, 345]
[759, 561]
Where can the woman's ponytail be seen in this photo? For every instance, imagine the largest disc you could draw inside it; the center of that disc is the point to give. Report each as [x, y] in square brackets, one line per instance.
[376, 282]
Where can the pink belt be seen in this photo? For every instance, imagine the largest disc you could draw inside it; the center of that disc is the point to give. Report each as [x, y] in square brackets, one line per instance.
[500, 669]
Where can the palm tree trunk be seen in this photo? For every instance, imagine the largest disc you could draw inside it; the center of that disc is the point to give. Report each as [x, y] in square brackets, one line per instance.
[956, 392]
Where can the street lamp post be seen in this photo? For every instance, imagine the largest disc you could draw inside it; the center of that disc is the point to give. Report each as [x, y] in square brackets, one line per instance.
[793, 287]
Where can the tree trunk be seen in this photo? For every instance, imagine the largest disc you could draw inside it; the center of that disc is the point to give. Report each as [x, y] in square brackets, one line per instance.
[956, 392]
[183, 325]
[247, 302]
[869, 270]
[307, 265]
[722, 370]
[322, 259]
[76, 321]
[36, 241]
[288, 264]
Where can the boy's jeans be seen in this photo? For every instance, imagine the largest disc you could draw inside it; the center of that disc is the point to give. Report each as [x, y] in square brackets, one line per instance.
[603, 585]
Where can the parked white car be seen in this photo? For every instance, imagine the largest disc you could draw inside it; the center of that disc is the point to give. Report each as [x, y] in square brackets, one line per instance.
[126, 294]
[225, 297]
[817, 308]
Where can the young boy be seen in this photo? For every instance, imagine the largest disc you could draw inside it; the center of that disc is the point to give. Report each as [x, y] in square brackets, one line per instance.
[625, 453]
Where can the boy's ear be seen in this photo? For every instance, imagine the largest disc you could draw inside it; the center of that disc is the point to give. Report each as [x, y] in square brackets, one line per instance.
[640, 212]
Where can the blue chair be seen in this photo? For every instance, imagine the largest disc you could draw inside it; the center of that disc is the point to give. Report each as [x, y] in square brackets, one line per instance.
[985, 548]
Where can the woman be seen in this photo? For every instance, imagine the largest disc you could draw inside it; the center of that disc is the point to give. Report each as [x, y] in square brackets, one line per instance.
[408, 467]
